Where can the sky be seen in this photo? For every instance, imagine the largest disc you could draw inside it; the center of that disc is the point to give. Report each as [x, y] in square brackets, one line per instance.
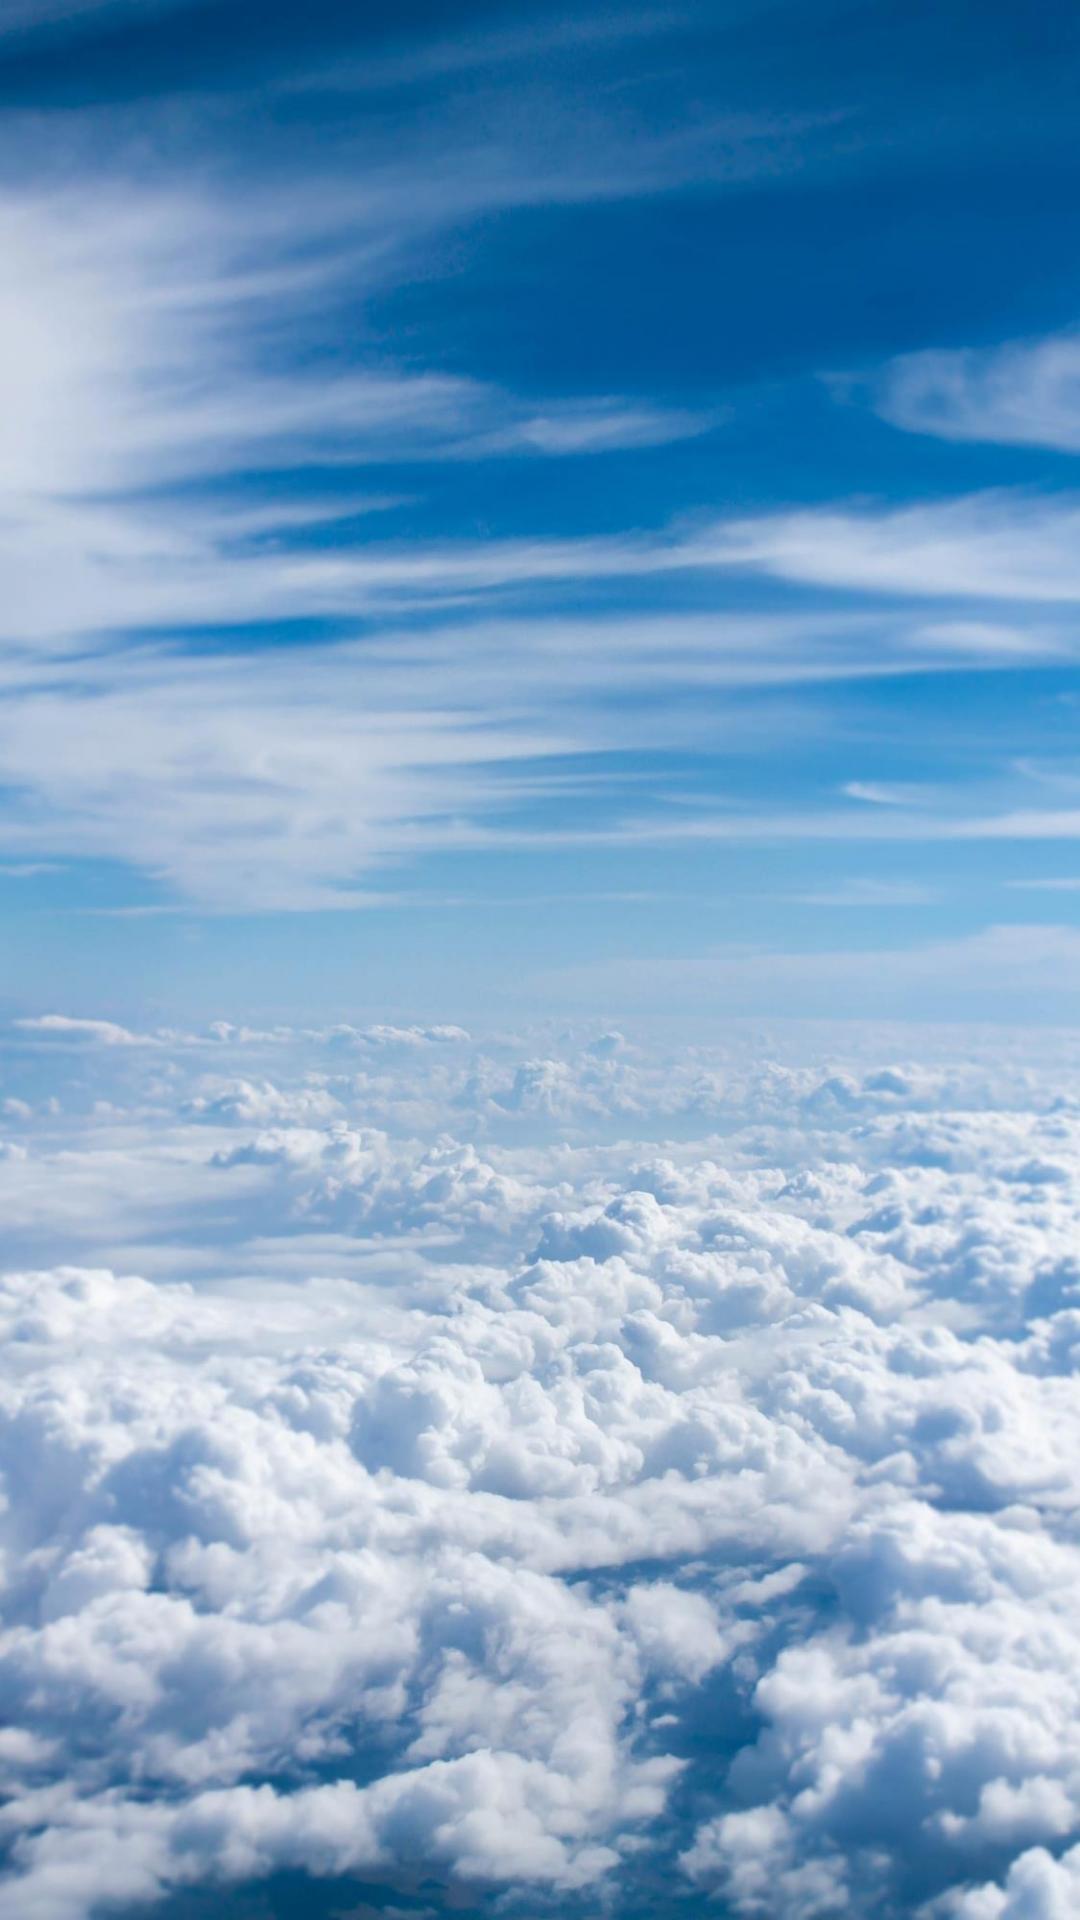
[540, 994]
[542, 512]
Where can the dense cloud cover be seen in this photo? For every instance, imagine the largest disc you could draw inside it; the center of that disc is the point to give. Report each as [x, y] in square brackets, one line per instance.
[546, 1472]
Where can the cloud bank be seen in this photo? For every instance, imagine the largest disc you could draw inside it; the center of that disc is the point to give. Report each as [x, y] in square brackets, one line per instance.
[670, 1485]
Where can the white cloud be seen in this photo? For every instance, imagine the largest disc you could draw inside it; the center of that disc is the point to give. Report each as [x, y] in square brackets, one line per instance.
[65, 1026]
[283, 778]
[1026, 393]
[291, 779]
[139, 376]
[437, 1565]
[1037, 1887]
[259, 1103]
[150, 336]
[990, 546]
[151, 333]
[137, 355]
[386, 1036]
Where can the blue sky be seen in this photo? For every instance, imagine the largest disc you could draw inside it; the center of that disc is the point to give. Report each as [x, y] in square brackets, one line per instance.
[514, 511]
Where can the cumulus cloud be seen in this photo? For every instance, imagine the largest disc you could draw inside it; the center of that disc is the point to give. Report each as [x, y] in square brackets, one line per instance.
[431, 1551]
[390, 1036]
[260, 1103]
[1038, 1886]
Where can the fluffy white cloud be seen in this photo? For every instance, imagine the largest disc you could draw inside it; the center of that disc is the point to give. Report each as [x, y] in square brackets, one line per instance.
[422, 1525]
[1037, 1887]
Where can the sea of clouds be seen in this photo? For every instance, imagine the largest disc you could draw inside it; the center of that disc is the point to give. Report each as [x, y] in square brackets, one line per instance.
[558, 1475]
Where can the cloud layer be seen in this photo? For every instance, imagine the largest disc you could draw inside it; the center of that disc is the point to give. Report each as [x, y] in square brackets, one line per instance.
[421, 1529]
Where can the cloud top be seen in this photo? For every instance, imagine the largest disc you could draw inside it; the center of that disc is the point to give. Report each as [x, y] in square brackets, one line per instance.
[426, 1530]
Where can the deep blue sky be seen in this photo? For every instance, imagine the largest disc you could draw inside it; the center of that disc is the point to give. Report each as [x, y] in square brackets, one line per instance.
[519, 511]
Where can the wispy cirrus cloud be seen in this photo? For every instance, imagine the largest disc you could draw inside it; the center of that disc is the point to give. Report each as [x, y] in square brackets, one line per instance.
[177, 429]
[148, 336]
[281, 778]
[295, 781]
[1024, 393]
[22, 16]
[287, 780]
[151, 369]
[1000, 545]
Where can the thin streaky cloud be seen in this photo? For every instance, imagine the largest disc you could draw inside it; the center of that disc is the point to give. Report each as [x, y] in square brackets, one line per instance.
[441, 58]
[859, 894]
[278, 780]
[181, 385]
[1025, 393]
[25, 16]
[880, 793]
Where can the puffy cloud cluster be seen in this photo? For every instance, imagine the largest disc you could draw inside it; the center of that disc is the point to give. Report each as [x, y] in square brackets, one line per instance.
[555, 1521]
[359, 1180]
